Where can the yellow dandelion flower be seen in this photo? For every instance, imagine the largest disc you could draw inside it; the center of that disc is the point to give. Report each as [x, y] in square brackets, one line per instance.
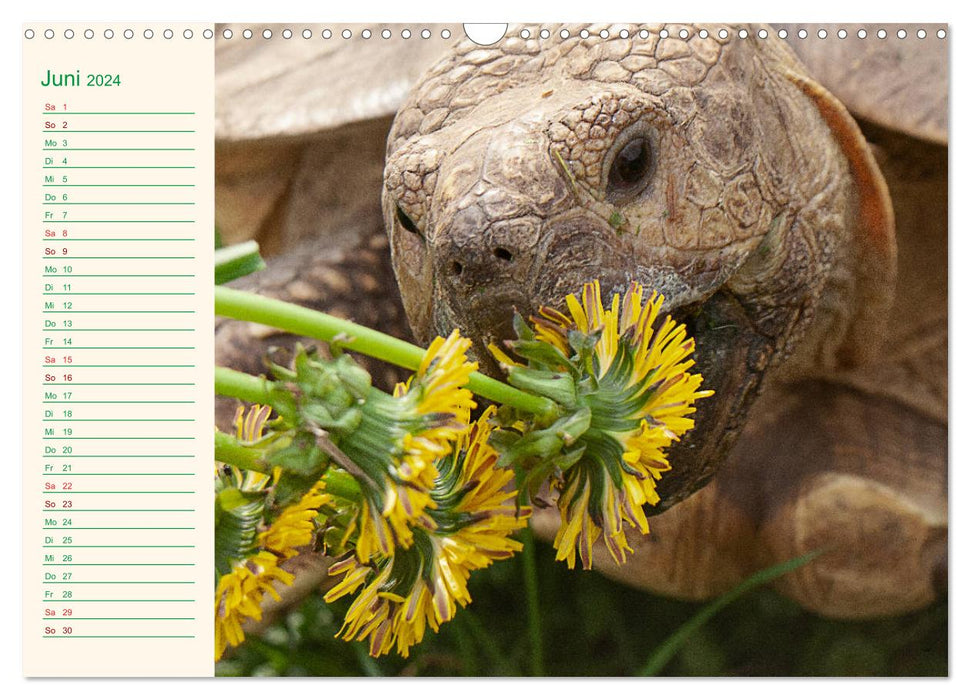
[442, 375]
[399, 440]
[422, 586]
[249, 429]
[239, 594]
[249, 425]
[294, 527]
[631, 378]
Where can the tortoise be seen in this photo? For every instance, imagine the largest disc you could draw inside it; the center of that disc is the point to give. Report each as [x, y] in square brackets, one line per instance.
[808, 261]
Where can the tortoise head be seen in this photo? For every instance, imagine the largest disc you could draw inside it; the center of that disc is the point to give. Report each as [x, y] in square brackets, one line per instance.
[710, 169]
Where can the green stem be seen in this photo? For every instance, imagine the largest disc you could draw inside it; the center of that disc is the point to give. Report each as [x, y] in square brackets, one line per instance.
[229, 450]
[501, 393]
[243, 386]
[531, 583]
[237, 261]
[246, 306]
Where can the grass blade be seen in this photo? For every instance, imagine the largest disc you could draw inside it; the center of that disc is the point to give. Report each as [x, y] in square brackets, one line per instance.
[531, 582]
[664, 653]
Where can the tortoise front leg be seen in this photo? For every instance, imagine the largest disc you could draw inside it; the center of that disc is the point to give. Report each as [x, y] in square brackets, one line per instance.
[821, 467]
[864, 479]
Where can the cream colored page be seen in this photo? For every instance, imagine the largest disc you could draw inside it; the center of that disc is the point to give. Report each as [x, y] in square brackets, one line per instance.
[117, 349]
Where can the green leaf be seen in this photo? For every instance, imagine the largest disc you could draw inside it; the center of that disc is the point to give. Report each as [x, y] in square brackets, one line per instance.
[558, 386]
[344, 424]
[522, 329]
[291, 486]
[237, 261]
[300, 455]
[541, 353]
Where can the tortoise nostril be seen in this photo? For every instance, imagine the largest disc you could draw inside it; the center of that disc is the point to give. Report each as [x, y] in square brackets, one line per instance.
[456, 267]
[502, 254]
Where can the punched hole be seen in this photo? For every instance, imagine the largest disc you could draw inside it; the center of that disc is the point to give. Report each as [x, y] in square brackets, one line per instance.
[456, 267]
[502, 254]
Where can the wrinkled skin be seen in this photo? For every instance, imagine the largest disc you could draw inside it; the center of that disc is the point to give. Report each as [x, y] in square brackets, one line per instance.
[755, 206]
[504, 190]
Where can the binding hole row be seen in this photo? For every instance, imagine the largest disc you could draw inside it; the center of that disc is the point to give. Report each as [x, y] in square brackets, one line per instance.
[446, 33]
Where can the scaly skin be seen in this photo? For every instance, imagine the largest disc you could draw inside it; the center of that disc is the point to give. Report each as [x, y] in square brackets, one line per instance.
[747, 222]
[766, 223]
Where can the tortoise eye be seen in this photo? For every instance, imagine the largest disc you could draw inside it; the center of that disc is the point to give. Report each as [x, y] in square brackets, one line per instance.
[632, 168]
[406, 223]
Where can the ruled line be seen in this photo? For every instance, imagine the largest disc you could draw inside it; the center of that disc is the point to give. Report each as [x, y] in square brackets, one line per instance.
[71, 114]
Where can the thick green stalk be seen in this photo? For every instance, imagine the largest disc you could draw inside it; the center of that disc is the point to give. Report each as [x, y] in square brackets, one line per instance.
[246, 306]
[229, 450]
[237, 261]
[240, 385]
[501, 393]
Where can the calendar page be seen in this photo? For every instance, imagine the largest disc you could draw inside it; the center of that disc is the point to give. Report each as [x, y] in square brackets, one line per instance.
[430, 349]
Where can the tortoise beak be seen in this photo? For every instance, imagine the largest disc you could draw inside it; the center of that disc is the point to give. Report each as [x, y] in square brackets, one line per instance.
[493, 318]
[732, 357]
